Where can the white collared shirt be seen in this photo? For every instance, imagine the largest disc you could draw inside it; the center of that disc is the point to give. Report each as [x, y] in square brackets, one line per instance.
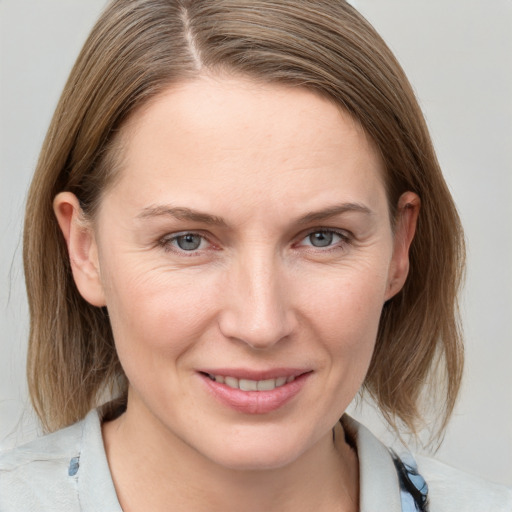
[67, 471]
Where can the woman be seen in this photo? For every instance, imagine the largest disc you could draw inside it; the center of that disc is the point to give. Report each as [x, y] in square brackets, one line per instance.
[243, 224]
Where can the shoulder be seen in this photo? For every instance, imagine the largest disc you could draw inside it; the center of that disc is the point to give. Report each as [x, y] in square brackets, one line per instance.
[48, 449]
[452, 490]
[449, 489]
[38, 475]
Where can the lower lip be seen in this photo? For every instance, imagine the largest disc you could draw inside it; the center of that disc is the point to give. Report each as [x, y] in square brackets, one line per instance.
[255, 402]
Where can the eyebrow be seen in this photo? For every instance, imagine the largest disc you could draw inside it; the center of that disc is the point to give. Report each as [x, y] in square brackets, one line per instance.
[182, 213]
[333, 211]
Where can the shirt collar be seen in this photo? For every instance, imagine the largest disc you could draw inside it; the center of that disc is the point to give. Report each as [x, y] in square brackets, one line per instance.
[96, 489]
[378, 480]
[379, 488]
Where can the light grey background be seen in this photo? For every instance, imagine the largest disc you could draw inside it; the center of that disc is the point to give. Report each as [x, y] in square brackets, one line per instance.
[458, 55]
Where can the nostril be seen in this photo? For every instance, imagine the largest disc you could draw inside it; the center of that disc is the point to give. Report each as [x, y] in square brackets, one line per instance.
[246, 327]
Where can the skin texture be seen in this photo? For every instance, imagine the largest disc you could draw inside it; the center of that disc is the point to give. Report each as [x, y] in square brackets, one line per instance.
[269, 166]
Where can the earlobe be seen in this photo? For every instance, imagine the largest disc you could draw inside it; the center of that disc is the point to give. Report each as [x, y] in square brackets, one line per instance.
[408, 209]
[82, 247]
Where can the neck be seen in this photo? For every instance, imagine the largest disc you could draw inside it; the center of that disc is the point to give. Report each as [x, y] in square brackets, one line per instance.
[148, 476]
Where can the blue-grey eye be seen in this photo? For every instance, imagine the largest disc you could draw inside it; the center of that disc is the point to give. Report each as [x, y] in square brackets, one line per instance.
[189, 242]
[321, 238]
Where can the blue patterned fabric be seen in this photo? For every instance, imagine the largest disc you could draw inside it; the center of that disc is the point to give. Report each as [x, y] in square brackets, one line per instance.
[413, 488]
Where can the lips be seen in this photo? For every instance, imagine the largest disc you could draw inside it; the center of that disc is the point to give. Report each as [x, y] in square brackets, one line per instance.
[252, 385]
[251, 392]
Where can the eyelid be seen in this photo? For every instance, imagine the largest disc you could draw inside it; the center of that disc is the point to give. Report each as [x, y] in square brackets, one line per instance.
[166, 242]
[346, 237]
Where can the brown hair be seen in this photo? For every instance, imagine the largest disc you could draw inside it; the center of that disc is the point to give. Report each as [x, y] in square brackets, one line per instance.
[136, 50]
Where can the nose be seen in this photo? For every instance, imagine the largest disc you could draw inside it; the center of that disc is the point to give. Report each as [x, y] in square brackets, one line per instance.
[257, 302]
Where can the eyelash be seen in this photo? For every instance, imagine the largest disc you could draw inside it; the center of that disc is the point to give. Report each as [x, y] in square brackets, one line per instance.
[167, 241]
[345, 239]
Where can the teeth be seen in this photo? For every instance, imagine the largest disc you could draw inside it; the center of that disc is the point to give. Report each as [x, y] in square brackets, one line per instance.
[248, 385]
[280, 381]
[231, 382]
[268, 385]
[252, 385]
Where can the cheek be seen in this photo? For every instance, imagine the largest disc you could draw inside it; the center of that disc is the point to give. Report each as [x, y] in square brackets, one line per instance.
[344, 313]
[348, 302]
[157, 315]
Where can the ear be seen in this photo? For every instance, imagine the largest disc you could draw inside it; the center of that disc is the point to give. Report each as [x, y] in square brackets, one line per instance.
[82, 247]
[405, 227]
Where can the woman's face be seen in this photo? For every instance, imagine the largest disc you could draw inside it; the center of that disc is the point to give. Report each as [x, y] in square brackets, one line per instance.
[244, 256]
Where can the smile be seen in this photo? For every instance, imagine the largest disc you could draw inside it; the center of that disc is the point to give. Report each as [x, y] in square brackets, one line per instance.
[251, 385]
[254, 392]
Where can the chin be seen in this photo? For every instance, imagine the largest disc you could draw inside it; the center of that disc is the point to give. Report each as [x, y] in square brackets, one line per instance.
[256, 452]
[257, 460]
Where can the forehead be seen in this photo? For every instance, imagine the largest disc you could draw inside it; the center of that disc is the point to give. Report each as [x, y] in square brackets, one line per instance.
[229, 135]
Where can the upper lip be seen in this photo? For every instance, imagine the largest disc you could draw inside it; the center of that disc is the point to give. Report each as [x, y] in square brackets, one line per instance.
[251, 374]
